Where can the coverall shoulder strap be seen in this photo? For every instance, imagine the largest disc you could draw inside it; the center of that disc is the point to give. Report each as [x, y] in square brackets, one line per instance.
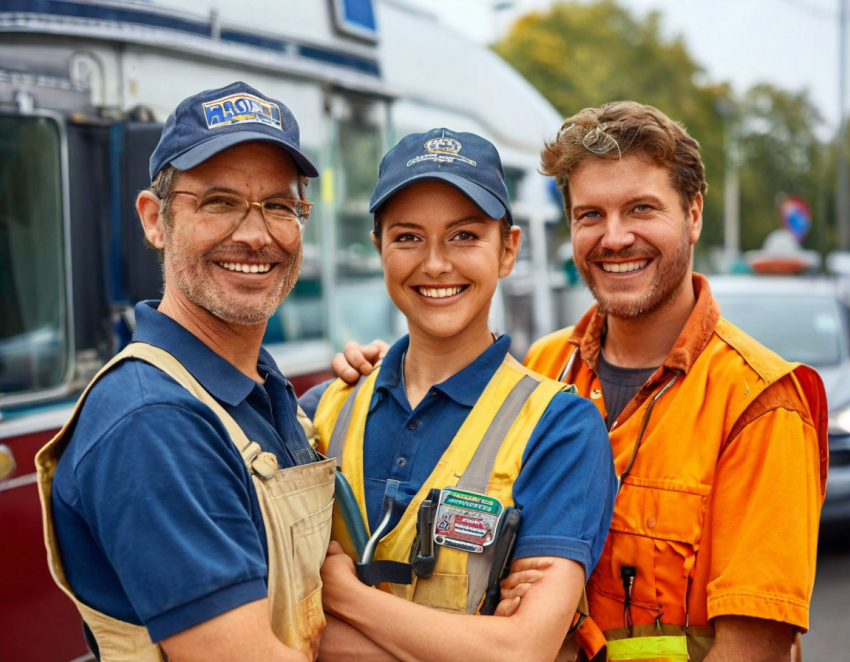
[168, 364]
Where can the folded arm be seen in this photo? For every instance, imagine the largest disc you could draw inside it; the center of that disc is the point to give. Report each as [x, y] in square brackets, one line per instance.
[244, 634]
[415, 633]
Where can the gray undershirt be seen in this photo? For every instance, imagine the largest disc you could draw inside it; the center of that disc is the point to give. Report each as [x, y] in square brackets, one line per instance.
[619, 386]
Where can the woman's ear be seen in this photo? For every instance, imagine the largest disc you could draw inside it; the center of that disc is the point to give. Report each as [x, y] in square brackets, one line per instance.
[510, 249]
[376, 242]
[147, 205]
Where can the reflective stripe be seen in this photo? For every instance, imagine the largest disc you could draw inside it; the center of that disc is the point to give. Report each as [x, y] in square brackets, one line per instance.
[658, 649]
[337, 441]
[477, 474]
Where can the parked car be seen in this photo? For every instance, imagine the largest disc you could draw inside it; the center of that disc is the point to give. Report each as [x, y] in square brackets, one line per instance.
[805, 319]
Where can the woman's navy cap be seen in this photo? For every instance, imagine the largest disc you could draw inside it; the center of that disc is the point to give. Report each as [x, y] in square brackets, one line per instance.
[209, 122]
[464, 160]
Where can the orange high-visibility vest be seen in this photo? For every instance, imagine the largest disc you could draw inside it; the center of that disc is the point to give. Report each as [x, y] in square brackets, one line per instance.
[667, 445]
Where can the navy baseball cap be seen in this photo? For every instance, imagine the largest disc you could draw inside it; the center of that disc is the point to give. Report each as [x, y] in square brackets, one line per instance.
[211, 121]
[464, 160]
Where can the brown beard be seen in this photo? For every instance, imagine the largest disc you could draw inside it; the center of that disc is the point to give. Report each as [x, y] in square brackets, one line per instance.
[670, 277]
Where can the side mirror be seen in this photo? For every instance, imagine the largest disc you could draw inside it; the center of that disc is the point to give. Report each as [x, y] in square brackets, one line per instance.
[7, 462]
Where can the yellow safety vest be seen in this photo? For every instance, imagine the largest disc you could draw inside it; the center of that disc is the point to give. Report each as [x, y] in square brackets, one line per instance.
[296, 505]
[484, 457]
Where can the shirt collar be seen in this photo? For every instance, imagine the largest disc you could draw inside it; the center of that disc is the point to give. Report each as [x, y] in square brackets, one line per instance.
[587, 334]
[218, 376]
[464, 387]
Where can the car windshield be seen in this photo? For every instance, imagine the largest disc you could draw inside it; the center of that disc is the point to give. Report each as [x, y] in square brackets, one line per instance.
[33, 352]
[808, 330]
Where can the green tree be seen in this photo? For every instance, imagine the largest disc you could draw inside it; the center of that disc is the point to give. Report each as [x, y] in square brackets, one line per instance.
[780, 156]
[581, 54]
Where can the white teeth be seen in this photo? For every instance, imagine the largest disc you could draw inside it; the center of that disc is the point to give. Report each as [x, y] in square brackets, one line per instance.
[246, 268]
[439, 293]
[623, 267]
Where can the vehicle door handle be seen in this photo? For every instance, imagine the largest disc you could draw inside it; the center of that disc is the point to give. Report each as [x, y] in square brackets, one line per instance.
[7, 462]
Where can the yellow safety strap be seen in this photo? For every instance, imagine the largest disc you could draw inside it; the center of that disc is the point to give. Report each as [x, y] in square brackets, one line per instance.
[658, 649]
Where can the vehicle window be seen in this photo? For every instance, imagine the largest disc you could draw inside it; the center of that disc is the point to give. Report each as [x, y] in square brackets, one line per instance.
[363, 309]
[796, 328]
[303, 316]
[33, 351]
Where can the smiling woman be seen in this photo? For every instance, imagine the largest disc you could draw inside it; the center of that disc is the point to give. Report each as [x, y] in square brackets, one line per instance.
[451, 428]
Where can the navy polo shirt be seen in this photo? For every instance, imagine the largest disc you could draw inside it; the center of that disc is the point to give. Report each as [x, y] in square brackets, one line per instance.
[566, 486]
[156, 516]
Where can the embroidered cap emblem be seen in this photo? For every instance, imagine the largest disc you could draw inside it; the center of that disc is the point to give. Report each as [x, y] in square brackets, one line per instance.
[239, 109]
[443, 145]
[442, 150]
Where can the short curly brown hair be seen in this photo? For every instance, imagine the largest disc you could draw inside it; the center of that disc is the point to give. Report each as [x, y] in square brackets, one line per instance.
[617, 129]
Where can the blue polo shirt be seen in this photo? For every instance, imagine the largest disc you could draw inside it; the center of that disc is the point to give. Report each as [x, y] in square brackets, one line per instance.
[156, 516]
[566, 486]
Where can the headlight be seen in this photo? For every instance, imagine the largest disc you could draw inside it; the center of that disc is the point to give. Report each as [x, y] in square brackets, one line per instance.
[839, 422]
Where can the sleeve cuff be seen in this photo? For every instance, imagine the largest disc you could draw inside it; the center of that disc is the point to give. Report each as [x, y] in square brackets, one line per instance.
[203, 609]
[567, 548]
[769, 606]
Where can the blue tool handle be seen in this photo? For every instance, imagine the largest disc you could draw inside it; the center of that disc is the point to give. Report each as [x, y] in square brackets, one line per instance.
[350, 513]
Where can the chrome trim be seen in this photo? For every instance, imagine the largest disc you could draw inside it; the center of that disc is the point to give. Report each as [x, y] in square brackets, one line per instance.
[84, 658]
[20, 481]
[38, 421]
[67, 308]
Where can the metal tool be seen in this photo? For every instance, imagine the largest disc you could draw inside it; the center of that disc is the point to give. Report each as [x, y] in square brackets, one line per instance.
[350, 511]
[504, 546]
[425, 552]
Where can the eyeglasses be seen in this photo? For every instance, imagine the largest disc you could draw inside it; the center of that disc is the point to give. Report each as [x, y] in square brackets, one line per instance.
[226, 211]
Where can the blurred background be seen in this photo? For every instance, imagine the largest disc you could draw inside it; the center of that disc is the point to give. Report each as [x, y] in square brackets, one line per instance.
[85, 86]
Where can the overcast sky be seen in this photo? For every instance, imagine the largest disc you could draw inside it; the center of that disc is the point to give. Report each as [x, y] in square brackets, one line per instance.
[790, 43]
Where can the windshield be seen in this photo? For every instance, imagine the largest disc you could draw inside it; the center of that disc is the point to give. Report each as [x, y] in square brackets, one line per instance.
[796, 328]
[32, 337]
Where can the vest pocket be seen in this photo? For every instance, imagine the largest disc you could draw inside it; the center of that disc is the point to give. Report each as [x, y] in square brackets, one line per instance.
[443, 591]
[657, 527]
[310, 537]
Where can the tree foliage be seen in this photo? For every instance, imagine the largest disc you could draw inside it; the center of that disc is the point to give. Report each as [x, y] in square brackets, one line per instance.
[580, 54]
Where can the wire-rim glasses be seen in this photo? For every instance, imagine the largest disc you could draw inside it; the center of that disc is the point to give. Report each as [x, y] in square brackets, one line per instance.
[228, 210]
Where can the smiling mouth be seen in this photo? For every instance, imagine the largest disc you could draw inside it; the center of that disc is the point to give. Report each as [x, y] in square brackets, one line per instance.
[244, 268]
[623, 267]
[440, 292]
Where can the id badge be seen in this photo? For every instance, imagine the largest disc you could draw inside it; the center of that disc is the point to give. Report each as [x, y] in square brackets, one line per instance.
[466, 520]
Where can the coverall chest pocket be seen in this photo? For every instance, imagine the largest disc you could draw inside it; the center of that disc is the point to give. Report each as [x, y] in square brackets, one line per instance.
[310, 537]
[656, 529]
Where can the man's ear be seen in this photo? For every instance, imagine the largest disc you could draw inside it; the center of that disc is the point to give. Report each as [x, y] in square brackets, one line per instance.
[375, 241]
[147, 205]
[695, 218]
[510, 250]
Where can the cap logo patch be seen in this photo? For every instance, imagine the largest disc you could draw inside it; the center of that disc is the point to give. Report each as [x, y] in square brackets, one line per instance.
[241, 109]
[444, 145]
[442, 150]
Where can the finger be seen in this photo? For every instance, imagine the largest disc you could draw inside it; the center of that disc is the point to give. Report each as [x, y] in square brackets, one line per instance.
[334, 548]
[532, 563]
[521, 577]
[507, 607]
[380, 348]
[516, 592]
[342, 369]
[356, 359]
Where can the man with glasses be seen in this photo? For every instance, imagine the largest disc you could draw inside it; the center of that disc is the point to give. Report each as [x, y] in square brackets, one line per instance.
[186, 513]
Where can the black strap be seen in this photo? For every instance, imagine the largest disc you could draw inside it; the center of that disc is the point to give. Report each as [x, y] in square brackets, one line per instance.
[378, 572]
[91, 642]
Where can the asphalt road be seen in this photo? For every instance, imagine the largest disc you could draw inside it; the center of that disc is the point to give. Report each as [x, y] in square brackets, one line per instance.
[828, 639]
